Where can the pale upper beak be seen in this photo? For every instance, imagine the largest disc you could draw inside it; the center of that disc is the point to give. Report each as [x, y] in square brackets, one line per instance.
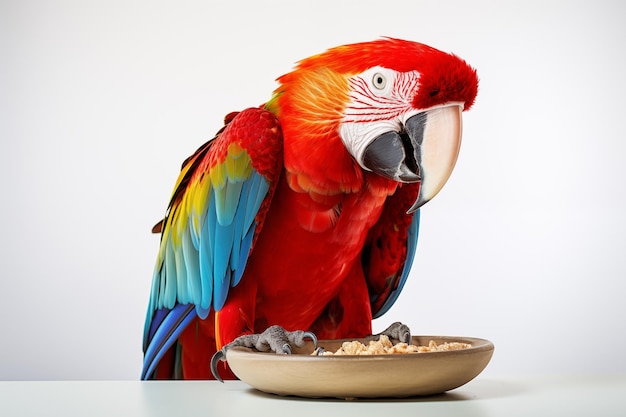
[425, 150]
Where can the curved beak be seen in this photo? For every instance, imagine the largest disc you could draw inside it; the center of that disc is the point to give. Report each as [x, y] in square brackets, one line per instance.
[424, 151]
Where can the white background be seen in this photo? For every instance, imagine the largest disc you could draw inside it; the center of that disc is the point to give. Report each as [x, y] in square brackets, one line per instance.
[100, 102]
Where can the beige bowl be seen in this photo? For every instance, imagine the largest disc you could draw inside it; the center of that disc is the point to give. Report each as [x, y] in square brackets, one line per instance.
[393, 375]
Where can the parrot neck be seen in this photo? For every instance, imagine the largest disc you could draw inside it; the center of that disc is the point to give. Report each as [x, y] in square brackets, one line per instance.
[310, 105]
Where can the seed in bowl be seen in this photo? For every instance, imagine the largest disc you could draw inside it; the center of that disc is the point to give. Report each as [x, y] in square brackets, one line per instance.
[384, 346]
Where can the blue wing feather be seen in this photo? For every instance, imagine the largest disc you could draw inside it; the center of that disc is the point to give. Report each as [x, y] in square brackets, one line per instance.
[181, 277]
[221, 271]
[169, 295]
[413, 233]
[246, 244]
[257, 189]
[206, 257]
[239, 223]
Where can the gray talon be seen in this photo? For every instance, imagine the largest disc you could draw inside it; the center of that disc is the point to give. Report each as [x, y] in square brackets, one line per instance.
[220, 355]
[312, 337]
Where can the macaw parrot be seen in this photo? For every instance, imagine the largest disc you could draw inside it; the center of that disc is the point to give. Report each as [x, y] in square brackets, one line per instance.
[304, 212]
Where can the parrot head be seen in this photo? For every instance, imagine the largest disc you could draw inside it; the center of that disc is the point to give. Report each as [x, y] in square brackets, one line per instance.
[393, 106]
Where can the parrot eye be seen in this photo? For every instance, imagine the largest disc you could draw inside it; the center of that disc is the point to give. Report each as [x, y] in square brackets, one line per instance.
[379, 81]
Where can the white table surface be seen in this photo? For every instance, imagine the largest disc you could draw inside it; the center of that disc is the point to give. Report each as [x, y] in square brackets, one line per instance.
[578, 395]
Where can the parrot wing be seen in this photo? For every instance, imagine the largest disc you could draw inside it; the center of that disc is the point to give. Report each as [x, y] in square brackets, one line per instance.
[390, 248]
[216, 211]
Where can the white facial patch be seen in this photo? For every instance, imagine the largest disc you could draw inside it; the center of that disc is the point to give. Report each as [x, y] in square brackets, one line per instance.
[380, 101]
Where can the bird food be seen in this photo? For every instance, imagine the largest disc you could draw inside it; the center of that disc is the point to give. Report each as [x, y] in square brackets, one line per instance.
[384, 346]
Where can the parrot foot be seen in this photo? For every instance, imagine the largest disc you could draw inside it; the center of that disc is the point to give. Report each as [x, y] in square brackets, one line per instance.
[275, 339]
[397, 331]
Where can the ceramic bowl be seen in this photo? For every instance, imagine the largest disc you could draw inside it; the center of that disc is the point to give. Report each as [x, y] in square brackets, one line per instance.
[372, 376]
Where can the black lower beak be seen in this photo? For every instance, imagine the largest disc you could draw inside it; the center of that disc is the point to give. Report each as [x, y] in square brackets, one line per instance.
[396, 155]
